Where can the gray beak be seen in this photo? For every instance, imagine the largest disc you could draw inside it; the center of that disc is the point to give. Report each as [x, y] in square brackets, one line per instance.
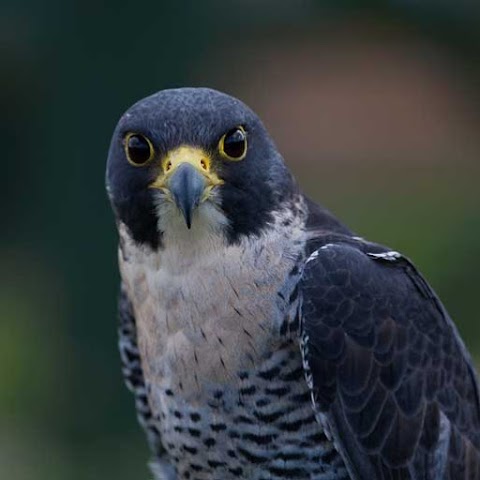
[187, 185]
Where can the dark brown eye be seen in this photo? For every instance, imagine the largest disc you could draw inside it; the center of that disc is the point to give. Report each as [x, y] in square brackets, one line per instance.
[233, 145]
[138, 148]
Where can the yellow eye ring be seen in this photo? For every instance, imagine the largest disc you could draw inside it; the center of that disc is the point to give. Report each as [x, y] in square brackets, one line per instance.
[233, 145]
[138, 149]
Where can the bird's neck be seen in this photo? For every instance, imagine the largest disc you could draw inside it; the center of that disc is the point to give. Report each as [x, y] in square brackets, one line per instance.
[206, 242]
[184, 293]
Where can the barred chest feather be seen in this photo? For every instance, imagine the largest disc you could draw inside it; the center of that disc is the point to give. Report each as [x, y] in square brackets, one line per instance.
[262, 427]
[216, 329]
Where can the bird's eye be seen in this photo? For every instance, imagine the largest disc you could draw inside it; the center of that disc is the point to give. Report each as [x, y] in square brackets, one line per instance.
[138, 148]
[233, 145]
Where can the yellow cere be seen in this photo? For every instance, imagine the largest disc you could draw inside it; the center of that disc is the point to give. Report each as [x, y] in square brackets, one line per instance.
[196, 157]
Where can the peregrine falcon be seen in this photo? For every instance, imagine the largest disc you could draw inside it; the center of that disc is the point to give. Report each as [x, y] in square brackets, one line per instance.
[261, 338]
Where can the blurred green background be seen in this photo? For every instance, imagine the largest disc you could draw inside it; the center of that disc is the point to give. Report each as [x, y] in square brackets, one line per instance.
[375, 106]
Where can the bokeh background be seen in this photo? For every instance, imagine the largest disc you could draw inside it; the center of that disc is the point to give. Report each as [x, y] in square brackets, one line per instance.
[375, 106]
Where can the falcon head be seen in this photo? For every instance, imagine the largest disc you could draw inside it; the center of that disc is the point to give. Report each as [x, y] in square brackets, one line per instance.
[193, 159]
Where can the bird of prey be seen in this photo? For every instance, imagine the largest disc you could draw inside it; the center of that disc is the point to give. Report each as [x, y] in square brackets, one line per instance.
[261, 338]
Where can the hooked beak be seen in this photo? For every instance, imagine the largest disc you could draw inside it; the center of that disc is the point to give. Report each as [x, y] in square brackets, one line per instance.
[187, 179]
[187, 186]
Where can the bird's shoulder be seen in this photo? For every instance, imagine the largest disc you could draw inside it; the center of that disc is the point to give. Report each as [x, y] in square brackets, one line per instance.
[387, 368]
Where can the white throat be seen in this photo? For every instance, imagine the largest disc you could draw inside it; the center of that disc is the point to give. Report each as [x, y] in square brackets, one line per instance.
[184, 246]
[198, 287]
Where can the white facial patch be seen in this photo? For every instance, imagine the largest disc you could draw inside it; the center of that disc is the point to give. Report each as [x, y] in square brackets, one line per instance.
[208, 221]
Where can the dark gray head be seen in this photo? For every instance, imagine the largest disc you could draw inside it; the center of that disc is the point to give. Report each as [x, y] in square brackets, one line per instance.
[194, 155]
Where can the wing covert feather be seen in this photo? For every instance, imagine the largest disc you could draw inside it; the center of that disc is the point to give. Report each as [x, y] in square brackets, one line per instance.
[389, 373]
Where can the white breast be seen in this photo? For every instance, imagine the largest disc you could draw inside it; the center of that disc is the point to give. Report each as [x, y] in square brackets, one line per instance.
[205, 310]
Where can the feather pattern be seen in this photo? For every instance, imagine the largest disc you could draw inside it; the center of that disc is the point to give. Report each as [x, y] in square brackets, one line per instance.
[389, 374]
[134, 379]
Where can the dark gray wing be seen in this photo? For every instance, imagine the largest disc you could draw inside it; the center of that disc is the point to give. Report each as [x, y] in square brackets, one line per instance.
[390, 376]
[133, 373]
